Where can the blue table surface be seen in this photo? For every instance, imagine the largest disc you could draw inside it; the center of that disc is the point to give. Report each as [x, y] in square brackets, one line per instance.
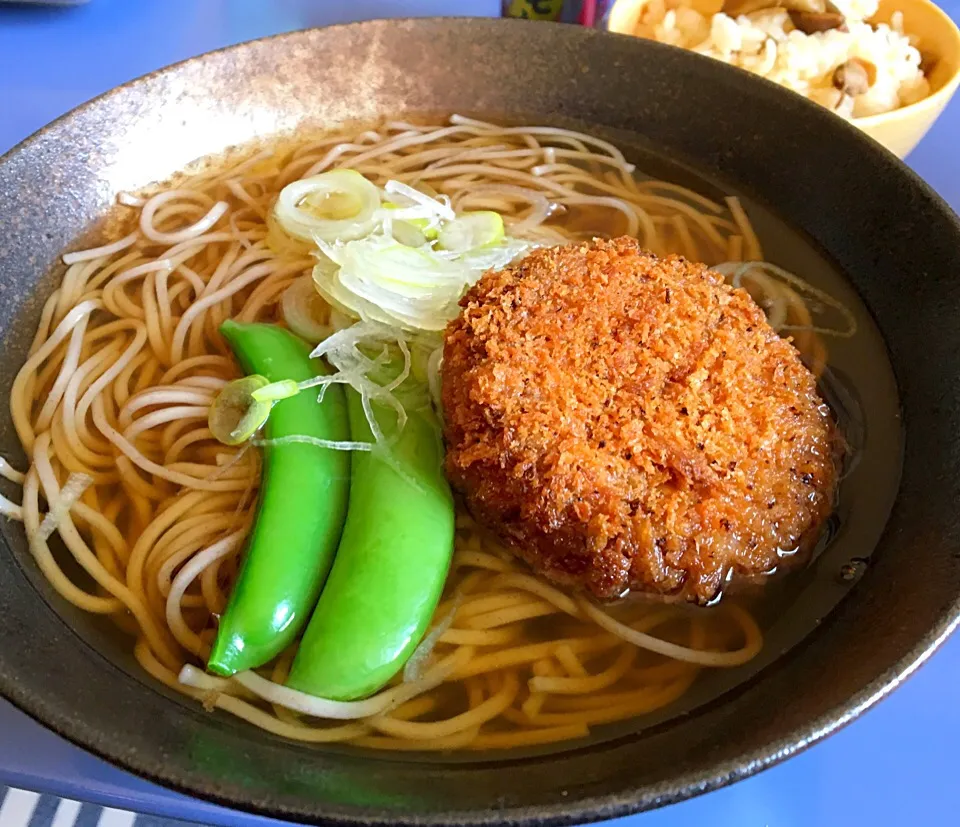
[895, 765]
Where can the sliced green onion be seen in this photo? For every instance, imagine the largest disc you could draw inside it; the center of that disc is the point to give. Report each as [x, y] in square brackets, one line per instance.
[305, 311]
[276, 391]
[376, 360]
[414, 232]
[235, 415]
[408, 233]
[493, 256]
[399, 256]
[391, 283]
[471, 230]
[335, 206]
[414, 288]
[347, 305]
[420, 351]
[436, 207]
[286, 245]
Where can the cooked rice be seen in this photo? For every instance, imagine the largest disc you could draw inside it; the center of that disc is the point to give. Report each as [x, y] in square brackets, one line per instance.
[767, 43]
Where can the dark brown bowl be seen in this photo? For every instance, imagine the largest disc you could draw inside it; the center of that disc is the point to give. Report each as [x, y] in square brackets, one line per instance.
[895, 240]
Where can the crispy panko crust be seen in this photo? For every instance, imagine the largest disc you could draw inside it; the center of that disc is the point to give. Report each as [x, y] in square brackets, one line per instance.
[628, 422]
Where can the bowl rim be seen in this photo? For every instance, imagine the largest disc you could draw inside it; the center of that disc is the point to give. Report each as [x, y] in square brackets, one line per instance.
[934, 101]
[585, 809]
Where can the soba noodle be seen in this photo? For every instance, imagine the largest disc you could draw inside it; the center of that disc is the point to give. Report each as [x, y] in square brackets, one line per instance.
[111, 408]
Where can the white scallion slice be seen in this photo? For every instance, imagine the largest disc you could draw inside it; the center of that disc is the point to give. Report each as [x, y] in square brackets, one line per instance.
[494, 256]
[340, 320]
[235, 415]
[434, 365]
[383, 281]
[286, 245]
[408, 233]
[339, 205]
[349, 307]
[276, 391]
[435, 205]
[471, 230]
[377, 279]
[413, 226]
[305, 311]
[376, 361]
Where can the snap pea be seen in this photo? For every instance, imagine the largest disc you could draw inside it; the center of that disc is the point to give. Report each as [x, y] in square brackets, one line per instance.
[303, 504]
[390, 567]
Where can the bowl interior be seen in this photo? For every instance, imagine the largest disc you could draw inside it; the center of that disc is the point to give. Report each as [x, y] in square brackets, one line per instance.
[868, 217]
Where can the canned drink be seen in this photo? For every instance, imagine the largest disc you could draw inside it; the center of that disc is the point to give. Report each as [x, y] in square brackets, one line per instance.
[534, 9]
[584, 12]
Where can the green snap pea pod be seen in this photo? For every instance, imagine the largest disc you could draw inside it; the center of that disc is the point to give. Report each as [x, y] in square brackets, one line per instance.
[391, 565]
[302, 508]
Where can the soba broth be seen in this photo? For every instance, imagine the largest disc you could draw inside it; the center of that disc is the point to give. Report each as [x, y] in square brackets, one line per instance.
[858, 384]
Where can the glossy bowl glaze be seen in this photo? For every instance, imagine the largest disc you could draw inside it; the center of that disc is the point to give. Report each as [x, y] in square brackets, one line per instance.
[901, 130]
[898, 244]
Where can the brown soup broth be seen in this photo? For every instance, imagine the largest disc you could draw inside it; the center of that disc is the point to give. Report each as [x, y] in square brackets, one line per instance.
[859, 386]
